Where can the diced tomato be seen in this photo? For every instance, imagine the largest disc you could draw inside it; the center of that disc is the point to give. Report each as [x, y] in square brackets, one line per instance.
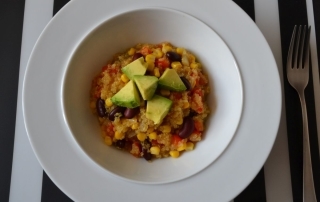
[162, 63]
[109, 129]
[198, 125]
[176, 95]
[104, 68]
[136, 149]
[175, 139]
[145, 50]
[197, 91]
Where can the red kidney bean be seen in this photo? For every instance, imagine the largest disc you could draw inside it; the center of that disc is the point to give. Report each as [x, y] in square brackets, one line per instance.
[187, 128]
[130, 113]
[173, 56]
[136, 56]
[147, 156]
[116, 110]
[121, 143]
[186, 82]
[101, 109]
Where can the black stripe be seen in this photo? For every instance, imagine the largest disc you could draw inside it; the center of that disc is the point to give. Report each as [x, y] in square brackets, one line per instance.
[11, 23]
[50, 192]
[291, 13]
[316, 13]
[256, 190]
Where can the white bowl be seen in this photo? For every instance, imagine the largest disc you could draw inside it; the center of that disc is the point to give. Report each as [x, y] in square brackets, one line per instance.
[153, 25]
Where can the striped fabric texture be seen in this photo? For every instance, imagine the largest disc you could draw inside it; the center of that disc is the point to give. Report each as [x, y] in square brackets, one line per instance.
[280, 180]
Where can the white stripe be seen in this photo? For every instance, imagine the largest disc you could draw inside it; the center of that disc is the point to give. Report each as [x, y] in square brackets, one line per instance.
[315, 64]
[277, 167]
[26, 178]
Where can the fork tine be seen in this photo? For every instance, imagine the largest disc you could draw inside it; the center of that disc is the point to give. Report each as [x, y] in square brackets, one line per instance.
[289, 57]
[307, 49]
[297, 42]
[302, 48]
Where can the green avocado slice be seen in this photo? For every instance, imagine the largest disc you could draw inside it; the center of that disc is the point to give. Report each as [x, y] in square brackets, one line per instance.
[170, 80]
[158, 108]
[147, 85]
[128, 96]
[137, 67]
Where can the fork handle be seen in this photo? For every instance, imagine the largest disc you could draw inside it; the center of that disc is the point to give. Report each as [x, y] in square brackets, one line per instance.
[308, 184]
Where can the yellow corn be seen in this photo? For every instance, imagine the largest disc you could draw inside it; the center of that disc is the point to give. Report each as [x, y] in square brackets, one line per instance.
[141, 136]
[195, 65]
[118, 135]
[124, 78]
[180, 50]
[179, 121]
[166, 129]
[158, 53]
[156, 72]
[134, 126]
[186, 105]
[150, 58]
[131, 51]
[155, 150]
[174, 154]
[153, 136]
[165, 92]
[166, 48]
[150, 130]
[108, 140]
[176, 65]
[109, 102]
[182, 146]
[189, 146]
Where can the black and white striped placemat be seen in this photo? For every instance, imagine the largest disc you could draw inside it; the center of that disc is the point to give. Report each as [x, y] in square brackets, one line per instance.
[21, 176]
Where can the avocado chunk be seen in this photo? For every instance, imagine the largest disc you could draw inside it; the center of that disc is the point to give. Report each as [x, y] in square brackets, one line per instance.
[137, 67]
[157, 108]
[128, 96]
[170, 80]
[147, 85]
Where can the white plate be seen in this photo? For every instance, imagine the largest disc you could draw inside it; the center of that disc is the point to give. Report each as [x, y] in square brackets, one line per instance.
[83, 180]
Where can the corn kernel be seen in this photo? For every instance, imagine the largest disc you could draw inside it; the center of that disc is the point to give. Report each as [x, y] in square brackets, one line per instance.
[166, 129]
[150, 58]
[179, 121]
[118, 135]
[180, 50]
[141, 136]
[182, 146]
[166, 48]
[186, 105]
[124, 78]
[156, 72]
[108, 140]
[109, 102]
[153, 136]
[150, 130]
[174, 154]
[195, 65]
[176, 65]
[131, 51]
[134, 126]
[155, 150]
[165, 92]
[158, 53]
[189, 146]
[150, 66]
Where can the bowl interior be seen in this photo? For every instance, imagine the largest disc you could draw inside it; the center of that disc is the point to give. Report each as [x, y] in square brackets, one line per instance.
[153, 25]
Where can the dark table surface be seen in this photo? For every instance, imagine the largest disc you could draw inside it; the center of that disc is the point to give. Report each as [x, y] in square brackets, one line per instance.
[280, 179]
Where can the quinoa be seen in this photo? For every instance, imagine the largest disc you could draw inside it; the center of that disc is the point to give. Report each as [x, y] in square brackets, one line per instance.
[139, 135]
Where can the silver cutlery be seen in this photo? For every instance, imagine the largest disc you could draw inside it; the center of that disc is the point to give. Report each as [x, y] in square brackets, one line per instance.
[298, 77]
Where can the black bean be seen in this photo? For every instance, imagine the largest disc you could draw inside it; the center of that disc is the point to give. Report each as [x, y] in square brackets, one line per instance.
[130, 113]
[101, 109]
[187, 128]
[136, 56]
[186, 82]
[173, 56]
[116, 110]
[121, 143]
[147, 156]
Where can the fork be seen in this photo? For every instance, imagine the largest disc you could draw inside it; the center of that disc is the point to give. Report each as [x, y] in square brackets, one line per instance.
[298, 77]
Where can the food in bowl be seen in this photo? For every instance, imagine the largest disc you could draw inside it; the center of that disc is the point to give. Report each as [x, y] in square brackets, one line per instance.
[150, 100]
